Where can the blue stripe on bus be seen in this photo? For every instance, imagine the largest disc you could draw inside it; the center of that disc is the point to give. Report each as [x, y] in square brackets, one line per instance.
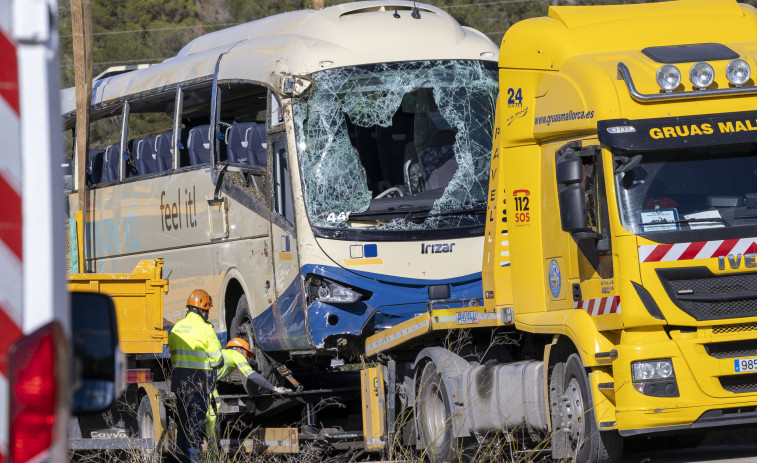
[394, 299]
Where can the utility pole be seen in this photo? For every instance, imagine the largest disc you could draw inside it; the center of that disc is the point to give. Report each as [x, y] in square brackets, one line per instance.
[317, 4]
[81, 25]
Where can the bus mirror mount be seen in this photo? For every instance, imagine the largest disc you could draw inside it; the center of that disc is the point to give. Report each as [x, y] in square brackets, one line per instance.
[295, 85]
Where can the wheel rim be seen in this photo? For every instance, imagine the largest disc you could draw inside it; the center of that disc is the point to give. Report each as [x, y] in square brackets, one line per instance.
[572, 412]
[435, 416]
[146, 429]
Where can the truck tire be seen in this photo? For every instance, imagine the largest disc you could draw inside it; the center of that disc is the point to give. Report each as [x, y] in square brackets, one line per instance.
[146, 424]
[575, 433]
[433, 423]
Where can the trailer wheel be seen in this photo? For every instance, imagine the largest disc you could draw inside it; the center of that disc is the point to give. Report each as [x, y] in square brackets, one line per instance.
[145, 423]
[433, 422]
[575, 431]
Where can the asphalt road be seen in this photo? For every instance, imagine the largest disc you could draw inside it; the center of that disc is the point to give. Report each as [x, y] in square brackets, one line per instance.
[709, 454]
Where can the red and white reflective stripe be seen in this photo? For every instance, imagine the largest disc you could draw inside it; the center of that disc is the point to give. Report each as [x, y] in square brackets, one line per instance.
[696, 250]
[599, 306]
[11, 256]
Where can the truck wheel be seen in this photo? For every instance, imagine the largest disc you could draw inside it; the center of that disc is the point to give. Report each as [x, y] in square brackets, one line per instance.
[433, 422]
[145, 423]
[575, 432]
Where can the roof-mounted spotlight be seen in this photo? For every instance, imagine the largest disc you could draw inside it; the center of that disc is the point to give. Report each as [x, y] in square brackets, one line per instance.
[702, 75]
[668, 77]
[738, 72]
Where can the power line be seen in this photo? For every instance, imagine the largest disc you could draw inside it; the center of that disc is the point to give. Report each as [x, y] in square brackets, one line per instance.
[133, 31]
[130, 61]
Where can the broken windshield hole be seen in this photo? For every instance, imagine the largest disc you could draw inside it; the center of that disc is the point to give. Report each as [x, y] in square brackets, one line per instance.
[397, 145]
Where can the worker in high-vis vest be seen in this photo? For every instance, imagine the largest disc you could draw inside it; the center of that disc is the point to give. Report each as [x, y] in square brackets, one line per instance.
[195, 357]
[236, 356]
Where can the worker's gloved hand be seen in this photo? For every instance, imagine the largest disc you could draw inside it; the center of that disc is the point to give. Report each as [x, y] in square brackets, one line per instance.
[281, 390]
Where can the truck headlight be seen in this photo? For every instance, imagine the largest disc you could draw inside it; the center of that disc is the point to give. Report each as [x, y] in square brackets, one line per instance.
[702, 75]
[654, 377]
[738, 72]
[668, 77]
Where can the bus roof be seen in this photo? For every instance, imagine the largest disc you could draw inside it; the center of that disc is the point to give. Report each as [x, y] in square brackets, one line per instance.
[302, 42]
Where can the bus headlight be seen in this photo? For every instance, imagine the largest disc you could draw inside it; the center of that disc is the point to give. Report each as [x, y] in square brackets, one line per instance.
[738, 72]
[702, 75]
[654, 378]
[328, 291]
[668, 77]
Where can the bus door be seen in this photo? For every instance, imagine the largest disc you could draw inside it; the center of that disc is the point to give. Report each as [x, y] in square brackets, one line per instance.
[289, 308]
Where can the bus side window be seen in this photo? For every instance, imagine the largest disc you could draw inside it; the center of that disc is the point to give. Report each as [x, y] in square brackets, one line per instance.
[150, 123]
[68, 160]
[104, 156]
[282, 191]
[195, 118]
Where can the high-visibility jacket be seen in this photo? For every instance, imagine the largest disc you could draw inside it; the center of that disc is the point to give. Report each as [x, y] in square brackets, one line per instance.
[194, 344]
[233, 360]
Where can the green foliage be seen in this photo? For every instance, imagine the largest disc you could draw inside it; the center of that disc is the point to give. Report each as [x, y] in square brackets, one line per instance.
[149, 31]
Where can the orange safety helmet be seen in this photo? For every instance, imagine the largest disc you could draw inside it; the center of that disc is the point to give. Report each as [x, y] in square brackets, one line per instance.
[200, 299]
[239, 342]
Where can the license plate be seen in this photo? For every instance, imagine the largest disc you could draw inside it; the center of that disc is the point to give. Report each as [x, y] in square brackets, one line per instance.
[745, 365]
[467, 318]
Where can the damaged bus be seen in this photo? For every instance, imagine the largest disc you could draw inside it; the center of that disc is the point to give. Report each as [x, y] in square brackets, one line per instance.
[323, 174]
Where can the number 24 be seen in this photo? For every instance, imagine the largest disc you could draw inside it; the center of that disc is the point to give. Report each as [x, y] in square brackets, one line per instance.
[514, 97]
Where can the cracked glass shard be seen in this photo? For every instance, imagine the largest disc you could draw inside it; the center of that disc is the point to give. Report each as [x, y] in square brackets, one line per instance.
[397, 146]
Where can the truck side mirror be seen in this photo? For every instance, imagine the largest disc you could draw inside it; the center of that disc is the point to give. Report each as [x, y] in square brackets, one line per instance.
[569, 172]
[573, 208]
[97, 360]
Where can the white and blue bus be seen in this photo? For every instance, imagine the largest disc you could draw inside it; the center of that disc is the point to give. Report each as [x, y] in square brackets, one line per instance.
[323, 174]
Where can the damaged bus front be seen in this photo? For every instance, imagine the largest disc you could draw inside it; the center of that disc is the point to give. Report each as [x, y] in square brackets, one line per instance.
[394, 159]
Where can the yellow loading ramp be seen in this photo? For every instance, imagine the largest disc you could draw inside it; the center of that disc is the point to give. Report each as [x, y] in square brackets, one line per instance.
[138, 297]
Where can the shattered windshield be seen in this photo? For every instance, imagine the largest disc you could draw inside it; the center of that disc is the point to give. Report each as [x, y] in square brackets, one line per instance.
[689, 189]
[396, 146]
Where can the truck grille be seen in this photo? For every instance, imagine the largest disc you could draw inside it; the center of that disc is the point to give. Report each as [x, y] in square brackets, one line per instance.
[735, 328]
[739, 384]
[734, 349]
[706, 296]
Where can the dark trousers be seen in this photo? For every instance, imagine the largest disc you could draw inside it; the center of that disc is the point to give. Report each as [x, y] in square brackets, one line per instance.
[191, 390]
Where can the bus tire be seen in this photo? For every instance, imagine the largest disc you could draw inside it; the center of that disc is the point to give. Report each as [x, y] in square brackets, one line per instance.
[241, 324]
[433, 420]
[575, 431]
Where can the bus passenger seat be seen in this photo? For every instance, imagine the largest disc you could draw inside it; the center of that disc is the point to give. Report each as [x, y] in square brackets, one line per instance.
[199, 145]
[110, 163]
[238, 145]
[146, 161]
[95, 166]
[257, 145]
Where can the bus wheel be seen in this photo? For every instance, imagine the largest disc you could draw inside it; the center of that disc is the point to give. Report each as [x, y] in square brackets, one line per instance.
[575, 431]
[146, 424]
[241, 324]
[432, 415]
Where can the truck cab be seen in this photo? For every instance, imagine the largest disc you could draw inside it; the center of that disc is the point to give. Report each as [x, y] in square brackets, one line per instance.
[623, 212]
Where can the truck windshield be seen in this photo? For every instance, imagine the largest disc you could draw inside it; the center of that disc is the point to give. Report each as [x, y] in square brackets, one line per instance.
[688, 189]
[397, 146]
